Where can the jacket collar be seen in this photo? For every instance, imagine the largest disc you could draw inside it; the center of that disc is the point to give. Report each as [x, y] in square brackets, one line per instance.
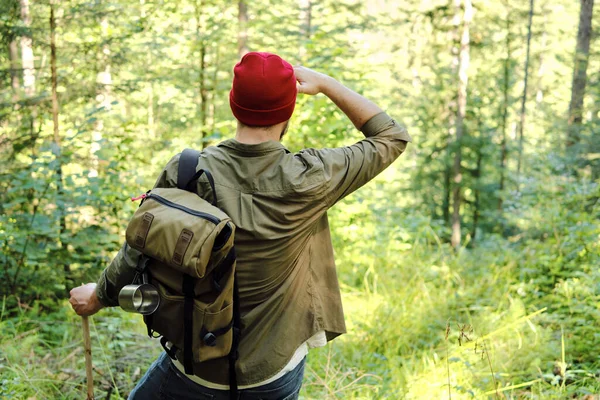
[253, 149]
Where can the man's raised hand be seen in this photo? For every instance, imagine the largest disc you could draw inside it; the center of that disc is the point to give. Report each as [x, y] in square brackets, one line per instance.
[309, 81]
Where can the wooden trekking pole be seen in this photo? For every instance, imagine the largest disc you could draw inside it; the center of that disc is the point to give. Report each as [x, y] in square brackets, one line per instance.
[87, 346]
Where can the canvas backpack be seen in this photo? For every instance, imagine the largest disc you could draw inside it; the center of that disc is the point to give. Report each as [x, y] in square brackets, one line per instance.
[188, 255]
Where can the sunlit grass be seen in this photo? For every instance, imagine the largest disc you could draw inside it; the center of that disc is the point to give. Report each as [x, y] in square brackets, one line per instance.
[520, 325]
[396, 336]
[395, 347]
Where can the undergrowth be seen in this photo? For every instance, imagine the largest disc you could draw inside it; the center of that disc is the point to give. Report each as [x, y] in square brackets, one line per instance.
[506, 318]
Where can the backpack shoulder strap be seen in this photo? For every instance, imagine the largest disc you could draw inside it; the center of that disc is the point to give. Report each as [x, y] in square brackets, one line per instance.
[187, 167]
[186, 173]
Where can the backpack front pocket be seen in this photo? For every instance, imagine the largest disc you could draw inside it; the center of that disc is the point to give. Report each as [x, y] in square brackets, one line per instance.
[212, 333]
[216, 335]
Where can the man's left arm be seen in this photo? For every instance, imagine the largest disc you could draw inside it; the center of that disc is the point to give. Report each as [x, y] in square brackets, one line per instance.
[348, 168]
[345, 169]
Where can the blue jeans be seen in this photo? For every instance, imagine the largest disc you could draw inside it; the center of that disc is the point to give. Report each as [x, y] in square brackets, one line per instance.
[163, 381]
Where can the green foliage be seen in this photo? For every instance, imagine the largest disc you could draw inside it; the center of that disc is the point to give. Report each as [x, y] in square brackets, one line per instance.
[139, 81]
[402, 286]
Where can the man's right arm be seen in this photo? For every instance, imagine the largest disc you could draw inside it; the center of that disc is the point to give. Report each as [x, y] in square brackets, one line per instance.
[119, 273]
[348, 168]
[121, 270]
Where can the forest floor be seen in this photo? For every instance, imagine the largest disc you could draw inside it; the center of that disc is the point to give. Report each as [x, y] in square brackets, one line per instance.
[508, 318]
[397, 344]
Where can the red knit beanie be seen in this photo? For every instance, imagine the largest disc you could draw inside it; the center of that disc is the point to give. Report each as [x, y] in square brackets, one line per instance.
[264, 90]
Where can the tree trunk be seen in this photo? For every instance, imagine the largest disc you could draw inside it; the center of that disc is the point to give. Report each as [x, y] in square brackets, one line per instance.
[27, 51]
[463, 66]
[28, 63]
[201, 106]
[447, 186]
[505, 105]
[305, 7]
[150, 88]
[13, 55]
[584, 34]
[57, 145]
[596, 107]
[54, 80]
[539, 96]
[305, 26]
[524, 98]
[150, 107]
[103, 84]
[215, 85]
[595, 148]
[242, 28]
[476, 213]
[203, 94]
[455, 51]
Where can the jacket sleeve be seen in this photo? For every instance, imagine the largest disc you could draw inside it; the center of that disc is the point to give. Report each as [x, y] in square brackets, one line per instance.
[121, 270]
[346, 169]
[119, 273]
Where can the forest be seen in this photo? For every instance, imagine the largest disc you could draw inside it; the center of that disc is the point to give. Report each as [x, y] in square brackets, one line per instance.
[469, 269]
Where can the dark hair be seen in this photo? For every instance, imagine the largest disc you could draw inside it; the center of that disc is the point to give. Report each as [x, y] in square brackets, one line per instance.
[265, 127]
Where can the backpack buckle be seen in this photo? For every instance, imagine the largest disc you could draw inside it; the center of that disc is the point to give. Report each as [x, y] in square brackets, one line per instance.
[210, 339]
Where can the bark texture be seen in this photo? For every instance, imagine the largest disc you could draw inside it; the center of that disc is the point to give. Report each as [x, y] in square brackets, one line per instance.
[584, 34]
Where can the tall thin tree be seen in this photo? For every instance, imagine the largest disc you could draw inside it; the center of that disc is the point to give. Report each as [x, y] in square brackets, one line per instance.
[455, 36]
[242, 28]
[202, 105]
[463, 66]
[305, 26]
[524, 97]
[13, 55]
[103, 93]
[505, 106]
[584, 34]
[477, 173]
[28, 63]
[27, 58]
[57, 143]
[150, 83]
[542, 57]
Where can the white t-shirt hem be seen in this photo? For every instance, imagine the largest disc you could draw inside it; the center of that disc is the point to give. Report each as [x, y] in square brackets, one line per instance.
[317, 340]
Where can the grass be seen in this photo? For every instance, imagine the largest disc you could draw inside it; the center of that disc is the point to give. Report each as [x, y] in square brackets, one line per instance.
[396, 346]
[508, 318]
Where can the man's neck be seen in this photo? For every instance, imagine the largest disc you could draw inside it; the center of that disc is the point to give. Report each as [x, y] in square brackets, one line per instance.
[255, 135]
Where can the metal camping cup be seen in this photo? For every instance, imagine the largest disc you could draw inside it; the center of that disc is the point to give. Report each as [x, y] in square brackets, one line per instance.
[143, 299]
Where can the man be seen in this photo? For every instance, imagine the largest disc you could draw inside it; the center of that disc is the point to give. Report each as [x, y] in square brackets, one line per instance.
[289, 295]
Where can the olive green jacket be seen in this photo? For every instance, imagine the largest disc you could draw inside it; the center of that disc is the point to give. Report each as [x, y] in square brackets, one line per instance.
[285, 267]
